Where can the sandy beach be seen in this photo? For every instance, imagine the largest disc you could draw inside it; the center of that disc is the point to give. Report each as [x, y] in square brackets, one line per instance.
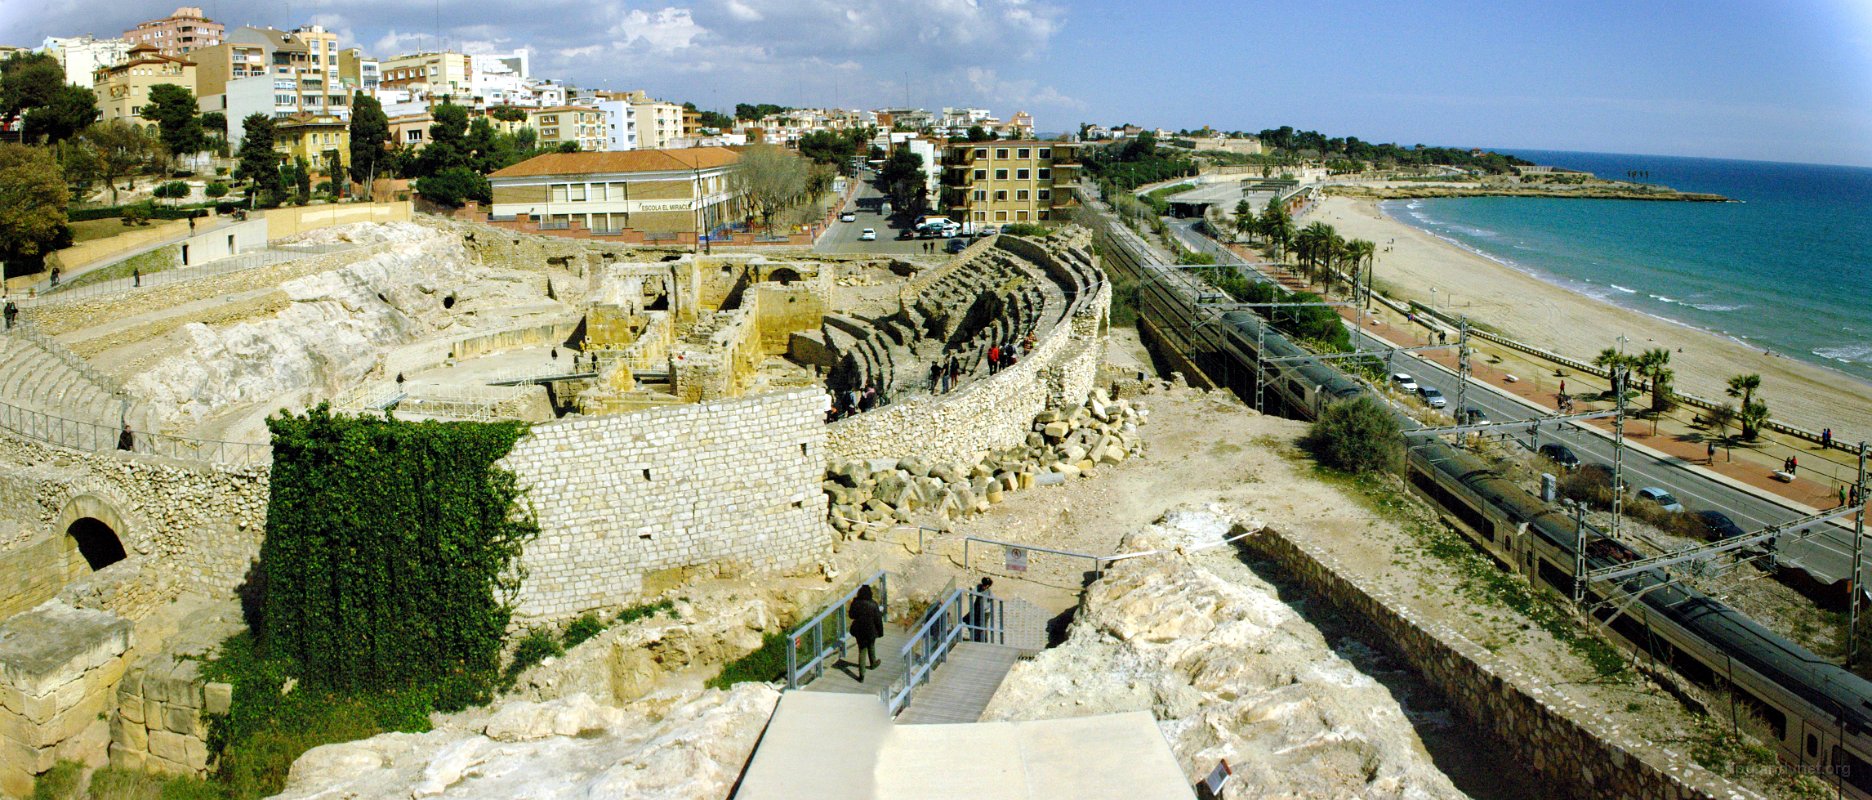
[1551, 317]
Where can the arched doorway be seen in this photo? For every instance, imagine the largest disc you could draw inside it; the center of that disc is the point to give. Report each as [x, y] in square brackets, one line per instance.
[783, 276]
[97, 542]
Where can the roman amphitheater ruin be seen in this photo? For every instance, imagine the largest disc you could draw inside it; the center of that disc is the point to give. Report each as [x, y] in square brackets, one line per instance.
[683, 423]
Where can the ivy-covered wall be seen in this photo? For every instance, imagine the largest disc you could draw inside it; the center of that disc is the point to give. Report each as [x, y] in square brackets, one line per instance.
[388, 547]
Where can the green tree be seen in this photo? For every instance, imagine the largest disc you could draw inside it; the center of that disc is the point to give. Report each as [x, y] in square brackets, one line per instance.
[301, 173]
[71, 109]
[28, 80]
[32, 204]
[1720, 418]
[1359, 254]
[79, 164]
[215, 190]
[1358, 436]
[260, 163]
[173, 110]
[902, 179]
[121, 149]
[508, 113]
[454, 187]
[370, 134]
[978, 134]
[1277, 228]
[447, 147]
[1752, 415]
[1610, 360]
[1244, 218]
[172, 191]
[1654, 365]
[772, 180]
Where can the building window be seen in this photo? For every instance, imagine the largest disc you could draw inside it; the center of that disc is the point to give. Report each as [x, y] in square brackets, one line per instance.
[1001, 195]
[1044, 214]
[981, 152]
[1046, 174]
[1046, 194]
[1046, 152]
[1000, 174]
[576, 193]
[558, 192]
[1000, 216]
[981, 174]
[981, 194]
[1022, 174]
[1024, 153]
[1001, 152]
[1020, 194]
[981, 216]
[1021, 215]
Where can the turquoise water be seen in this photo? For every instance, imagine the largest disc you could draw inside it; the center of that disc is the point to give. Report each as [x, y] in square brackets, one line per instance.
[1787, 269]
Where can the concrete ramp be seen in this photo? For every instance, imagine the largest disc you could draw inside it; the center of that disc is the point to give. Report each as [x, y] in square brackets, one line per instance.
[843, 747]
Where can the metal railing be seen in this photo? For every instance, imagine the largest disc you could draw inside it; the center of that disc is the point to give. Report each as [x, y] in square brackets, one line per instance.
[979, 616]
[812, 642]
[74, 434]
[251, 259]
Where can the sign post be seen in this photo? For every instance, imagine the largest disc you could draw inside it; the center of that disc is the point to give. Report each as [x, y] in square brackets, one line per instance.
[1017, 559]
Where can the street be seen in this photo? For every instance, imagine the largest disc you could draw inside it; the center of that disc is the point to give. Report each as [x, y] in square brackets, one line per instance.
[843, 236]
[1827, 554]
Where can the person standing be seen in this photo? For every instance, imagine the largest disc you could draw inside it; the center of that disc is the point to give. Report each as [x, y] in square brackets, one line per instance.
[1712, 452]
[936, 377]
[1826, 438]
[11, 312]
[1842, 495]
[1793, 465]
[866, 621]
[981, 609]
[136, 276]
[994, 358]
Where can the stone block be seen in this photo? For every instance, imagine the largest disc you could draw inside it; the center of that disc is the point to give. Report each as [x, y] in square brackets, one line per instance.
[131, 735]
[90, 746]
[124, 757]
[130, 708]
[197, 752]
[169, 746]
[181, 719]
[152, 714]
[217, 697]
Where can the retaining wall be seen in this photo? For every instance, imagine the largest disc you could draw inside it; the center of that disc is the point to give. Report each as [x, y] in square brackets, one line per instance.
[625, 501]
[1576, 754]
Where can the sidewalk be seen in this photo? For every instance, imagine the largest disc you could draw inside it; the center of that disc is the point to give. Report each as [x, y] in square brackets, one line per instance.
[1749, 463]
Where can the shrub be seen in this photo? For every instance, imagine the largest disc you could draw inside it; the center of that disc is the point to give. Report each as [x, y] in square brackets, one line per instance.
[215, 191]
[387, 550]
[582, 629]
[136, 215]
[1358, 435]
[1025, 229]
[60, 782]
[766, 664]
[455, 186]
[634, 613]
[538, 646]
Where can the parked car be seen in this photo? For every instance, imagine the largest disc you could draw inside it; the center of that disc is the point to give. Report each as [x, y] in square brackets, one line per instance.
[868, 235]
[1661, 497]
[848, 216]
[1559, 454]
[987, 230]
[956, 245]
[1432, 396]
[1719, 525]
[906, 234]
[1404, 381]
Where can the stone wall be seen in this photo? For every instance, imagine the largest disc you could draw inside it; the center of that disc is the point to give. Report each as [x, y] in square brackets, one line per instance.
[555, 333]
[1574, 752]
[284, 222]
[202, 523]
[623, 500]
[160, 723]
[59, 668]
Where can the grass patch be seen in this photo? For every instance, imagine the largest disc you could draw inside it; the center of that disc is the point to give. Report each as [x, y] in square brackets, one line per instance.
[150, 263]
[1736, 755]
[268, 728]
[582, 630]
[1479, 579]
[59, 783]
[92, 229]
[539, 645]
[646, 611]
[125, 784]
[766, 664]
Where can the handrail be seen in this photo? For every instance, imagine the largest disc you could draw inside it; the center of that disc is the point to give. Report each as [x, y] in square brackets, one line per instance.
[923, 652]
[816, 627]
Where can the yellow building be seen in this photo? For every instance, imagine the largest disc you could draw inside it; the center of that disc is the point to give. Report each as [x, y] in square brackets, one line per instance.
[436, 74]
[560, 124]
[998, 182]
[656, 192]
[123, 89]
[310, 137]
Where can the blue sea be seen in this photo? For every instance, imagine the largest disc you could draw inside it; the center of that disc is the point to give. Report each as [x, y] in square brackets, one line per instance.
[1787, 269]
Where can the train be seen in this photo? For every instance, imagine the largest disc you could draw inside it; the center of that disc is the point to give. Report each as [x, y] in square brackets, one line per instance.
[1816, 714]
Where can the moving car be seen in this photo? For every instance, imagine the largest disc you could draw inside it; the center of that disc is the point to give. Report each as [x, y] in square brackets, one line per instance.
[868, 235]
[848, 216]
[1470, 415]
[1404, 381]
[906, 234]
[987, 230]
[1432, 396]
[1719, 525]
[1661, 497]
[1559, 454]
[956, 245]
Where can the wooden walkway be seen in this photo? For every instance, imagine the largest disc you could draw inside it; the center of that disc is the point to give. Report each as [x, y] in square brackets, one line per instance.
[962, 685]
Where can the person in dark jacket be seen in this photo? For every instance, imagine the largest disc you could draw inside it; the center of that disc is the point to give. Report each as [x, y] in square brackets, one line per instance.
[981, 610]
[867, 624]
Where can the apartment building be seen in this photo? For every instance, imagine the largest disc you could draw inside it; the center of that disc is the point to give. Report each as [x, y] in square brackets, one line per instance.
[178, 34]
[558, 125]
[358, 72]
[301, 68]
[314, 138]
[83, 56]
[436, 74]
[620, 124]
[1008, 181]
[661, 193]
[123, 89]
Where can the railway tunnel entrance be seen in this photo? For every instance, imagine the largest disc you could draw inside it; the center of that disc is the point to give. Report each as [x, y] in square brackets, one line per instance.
[96, 542]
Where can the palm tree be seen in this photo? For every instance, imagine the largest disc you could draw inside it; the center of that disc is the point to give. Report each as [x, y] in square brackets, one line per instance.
[1359, 253]
[1720, 418]
[1244, 218]
[1743, 387]
[1654, 364]
[1319, 243]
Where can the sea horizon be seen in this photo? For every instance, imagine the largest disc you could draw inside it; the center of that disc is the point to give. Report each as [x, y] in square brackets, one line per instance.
[1775, 271]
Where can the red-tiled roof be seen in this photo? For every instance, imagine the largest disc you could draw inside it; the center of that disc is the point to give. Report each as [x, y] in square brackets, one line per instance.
[621, 161]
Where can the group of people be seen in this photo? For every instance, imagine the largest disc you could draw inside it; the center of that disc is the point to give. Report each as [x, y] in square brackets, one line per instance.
[1002, 356]
[1791, 466]
[853, 401]
[944, 375]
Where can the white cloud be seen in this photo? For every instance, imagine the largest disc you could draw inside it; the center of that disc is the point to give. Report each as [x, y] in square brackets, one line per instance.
[665, 31]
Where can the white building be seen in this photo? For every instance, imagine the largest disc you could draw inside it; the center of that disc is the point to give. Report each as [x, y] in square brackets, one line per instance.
[500, 79]
[620, 124]
[81, 56]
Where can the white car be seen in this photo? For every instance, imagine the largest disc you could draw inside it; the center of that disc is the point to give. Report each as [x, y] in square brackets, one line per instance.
[1405, 382]
[848, 217]
[869, 235]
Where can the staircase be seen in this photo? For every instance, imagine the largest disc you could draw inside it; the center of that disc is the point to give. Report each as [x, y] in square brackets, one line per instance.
[50, 394]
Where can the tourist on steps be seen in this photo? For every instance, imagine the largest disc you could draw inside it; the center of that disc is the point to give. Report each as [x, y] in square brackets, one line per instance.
[981, 610]
[867, 624]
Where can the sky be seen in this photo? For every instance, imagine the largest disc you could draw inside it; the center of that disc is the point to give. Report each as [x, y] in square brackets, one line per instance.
[1768, 80]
